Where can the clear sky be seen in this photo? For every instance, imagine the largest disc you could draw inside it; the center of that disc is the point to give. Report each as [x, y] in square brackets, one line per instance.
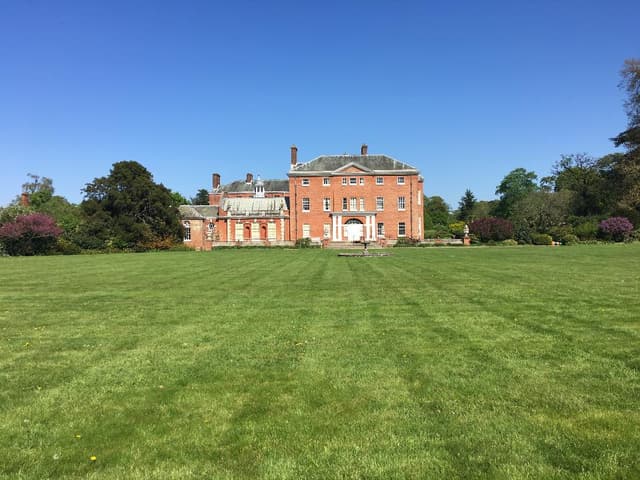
[465, 91]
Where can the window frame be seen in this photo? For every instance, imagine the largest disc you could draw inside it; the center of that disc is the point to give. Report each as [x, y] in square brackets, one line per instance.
[307, 201]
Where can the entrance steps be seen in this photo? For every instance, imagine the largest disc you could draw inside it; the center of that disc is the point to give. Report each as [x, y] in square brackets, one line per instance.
[344, 245]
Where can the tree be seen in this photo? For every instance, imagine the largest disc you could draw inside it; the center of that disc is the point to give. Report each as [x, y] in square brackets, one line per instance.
[465, 206]
[177, 199]
[629, 166]
[13, 211]
[436, 212]
[127, 209]
[490, 228]
[516, 185]
[539, 212]
[31, 234]
[40, 189]
[201, 198]
[580, 174]
[483, 208]
[67, 215]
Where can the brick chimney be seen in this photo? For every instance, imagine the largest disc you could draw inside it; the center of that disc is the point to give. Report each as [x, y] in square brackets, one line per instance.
[249, 178]
[24, 199]
[294, 155]
[363, 149]
[216, 181]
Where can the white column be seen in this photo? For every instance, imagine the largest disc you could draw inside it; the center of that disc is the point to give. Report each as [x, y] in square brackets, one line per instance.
[338, 227]
[374, 228]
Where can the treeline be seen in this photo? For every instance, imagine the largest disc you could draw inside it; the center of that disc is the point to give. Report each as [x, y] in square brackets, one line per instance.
[123, 211]
[584, 198]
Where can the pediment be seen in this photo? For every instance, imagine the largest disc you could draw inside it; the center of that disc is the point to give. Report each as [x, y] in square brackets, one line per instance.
[353, 167]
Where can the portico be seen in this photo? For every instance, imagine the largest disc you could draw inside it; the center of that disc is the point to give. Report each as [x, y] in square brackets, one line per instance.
[347, 227]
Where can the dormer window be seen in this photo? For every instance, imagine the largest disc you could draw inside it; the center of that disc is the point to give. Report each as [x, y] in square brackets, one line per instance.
[400, 180]
[305, 182]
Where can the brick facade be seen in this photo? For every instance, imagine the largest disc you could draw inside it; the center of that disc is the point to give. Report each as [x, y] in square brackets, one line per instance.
[341, 198]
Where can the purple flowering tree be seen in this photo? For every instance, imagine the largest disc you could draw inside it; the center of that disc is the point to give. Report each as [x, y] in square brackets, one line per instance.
[29, 234]
[616, 228]
[490, 228]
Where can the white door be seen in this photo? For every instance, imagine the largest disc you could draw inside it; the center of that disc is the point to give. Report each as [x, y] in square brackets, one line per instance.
[353, 232]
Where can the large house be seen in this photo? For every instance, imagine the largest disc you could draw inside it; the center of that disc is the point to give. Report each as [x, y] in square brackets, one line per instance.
[331, 199]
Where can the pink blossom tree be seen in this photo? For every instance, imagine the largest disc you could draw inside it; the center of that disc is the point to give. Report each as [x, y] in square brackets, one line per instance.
[29, 234]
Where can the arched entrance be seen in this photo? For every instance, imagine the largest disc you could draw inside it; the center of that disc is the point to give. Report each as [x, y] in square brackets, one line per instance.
[353, 230]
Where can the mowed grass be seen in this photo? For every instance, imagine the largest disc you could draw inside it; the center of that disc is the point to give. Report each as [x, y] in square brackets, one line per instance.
[431, 363]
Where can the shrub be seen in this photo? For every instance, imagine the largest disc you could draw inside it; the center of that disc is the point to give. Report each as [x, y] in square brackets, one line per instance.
[490, 228]
[615, 228]
[29, 234]
[303, 243]
[586, 230]
[431, 233]
[560, 231]
[406, 242]
[569, 239]
[457, 229]
[509, 242]
[541, 239]
[66, 247]
[634, 236]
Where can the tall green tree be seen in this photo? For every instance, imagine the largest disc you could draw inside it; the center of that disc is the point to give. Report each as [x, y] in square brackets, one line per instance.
[629, 166]
[465, 206]
[516, 185]
[436, 212]
[128, 209]
[581, 174]
[201, 198]
[483, 208]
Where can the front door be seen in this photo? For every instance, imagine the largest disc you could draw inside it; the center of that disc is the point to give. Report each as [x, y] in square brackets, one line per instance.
[353, 230]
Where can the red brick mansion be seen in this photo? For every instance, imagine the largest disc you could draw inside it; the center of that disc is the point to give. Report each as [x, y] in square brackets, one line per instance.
[331, 199]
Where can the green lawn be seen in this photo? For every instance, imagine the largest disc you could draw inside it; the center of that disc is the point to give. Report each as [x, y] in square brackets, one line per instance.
[509, 363]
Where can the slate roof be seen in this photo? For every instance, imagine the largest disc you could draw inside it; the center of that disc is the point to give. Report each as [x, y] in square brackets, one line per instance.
[269, 186]
[255, 206]
[331, 163]
[198, 211]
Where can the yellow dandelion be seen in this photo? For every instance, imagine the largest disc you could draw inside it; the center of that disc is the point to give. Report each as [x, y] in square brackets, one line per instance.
[93, 458]
[78, 435]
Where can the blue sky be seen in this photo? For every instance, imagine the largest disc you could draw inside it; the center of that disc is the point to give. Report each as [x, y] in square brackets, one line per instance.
[465, 91]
